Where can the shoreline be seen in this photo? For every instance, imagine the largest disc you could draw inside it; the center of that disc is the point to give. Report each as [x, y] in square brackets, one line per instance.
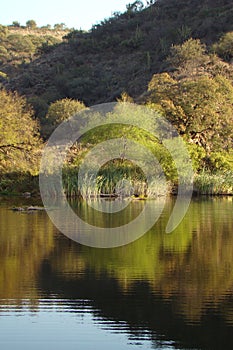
[205, 184]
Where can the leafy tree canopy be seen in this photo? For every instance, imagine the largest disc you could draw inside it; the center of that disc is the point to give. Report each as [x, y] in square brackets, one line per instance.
[61, 110]
[19, 136]
[191, 51]
[200, 108]
[224, 47]
[31, 24]
[59, 26]
[16, 24]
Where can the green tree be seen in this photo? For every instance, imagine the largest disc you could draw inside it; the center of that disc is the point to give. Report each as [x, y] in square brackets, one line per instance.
[135, 6]
[61, 110]
[31, 24]
[59, 26]
[189, 56]
[16, 24]
[19, 136]
[224, 47]
[47, 27]
[200, 108]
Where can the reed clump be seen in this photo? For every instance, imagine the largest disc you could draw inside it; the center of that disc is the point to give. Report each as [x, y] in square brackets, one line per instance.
[114, 179]
[220, 183]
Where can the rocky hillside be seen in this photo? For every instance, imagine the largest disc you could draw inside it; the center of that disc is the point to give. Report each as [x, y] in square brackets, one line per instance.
[120, 54]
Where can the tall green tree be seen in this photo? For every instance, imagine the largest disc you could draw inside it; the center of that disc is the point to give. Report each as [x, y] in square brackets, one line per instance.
[201, 108]
[19, 134]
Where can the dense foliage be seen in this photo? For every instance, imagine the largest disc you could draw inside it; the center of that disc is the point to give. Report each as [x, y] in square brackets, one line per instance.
[59, 111]
[173, 56]
[200, 109]
[19, 137]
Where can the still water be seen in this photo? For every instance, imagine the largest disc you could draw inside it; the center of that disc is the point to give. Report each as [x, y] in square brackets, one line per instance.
[163, 291]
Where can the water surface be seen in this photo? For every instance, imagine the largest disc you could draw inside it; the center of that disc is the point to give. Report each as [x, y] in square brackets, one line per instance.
[163, 291]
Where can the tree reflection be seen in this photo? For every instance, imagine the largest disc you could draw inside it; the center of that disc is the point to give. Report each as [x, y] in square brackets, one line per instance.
[178, 285]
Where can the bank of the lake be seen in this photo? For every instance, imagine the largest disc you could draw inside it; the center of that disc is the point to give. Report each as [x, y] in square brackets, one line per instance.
[205, 183]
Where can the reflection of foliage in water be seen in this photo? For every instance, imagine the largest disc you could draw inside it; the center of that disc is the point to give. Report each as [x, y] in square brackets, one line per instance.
[190, 268]
[26, 239]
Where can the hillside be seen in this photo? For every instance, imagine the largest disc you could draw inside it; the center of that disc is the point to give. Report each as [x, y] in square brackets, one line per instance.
[120, 54]
[19, 46]
[39, 32]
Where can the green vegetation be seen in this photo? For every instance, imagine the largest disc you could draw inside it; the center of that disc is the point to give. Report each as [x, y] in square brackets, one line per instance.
[116, 178]
[212, 184]
[31, 24]
[200, 109]
[20, 145]
[19, 137]
[59, 111]
[224, 47]
[20, 46]
[198, 253]
[194, 253]
[135, 56]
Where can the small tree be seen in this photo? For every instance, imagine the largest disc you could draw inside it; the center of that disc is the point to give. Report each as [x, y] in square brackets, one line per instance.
[31, 24]
[16, 24]
[59, 26]
[125, 98]
[189, 58]
[224, 47]
[61, 110]
[135, 6]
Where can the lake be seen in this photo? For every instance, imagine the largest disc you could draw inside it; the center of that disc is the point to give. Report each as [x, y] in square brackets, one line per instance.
[163, 291]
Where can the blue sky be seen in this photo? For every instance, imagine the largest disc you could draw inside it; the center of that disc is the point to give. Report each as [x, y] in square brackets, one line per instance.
[74, 13]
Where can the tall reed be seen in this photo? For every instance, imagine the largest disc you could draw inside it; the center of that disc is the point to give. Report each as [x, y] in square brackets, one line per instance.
[220, 183]
[122, 179]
